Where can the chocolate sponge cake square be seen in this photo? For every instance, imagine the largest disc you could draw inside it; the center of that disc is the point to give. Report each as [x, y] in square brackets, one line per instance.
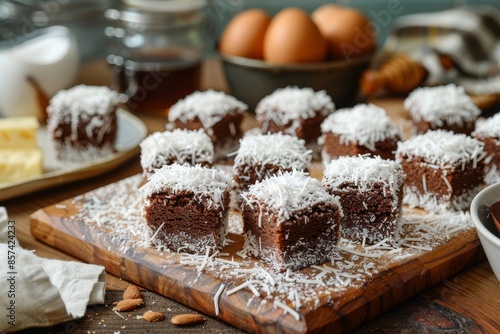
[370, 191]
[177, 146]
[290, 221]
[295, 111]
[363, 129]
[488, 131]
[444, 170]
[82, 123]
[442, 107]
[261, 156]
[186, 207]
[219, 114]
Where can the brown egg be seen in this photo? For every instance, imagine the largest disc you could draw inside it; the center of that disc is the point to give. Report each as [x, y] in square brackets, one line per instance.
[292, 37]
[244, 34]
[348, 32]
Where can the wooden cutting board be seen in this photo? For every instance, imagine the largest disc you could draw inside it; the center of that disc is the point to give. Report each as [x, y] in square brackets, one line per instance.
[105, 227]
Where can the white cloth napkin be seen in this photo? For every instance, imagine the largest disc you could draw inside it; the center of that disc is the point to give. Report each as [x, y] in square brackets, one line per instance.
[426, 36]
[42, 292]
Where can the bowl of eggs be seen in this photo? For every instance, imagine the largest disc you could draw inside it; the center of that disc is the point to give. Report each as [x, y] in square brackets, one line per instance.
[328, 49]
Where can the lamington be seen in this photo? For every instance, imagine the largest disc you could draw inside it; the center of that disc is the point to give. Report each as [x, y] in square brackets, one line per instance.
[261, 156]
[443, 107]
[186, 207]
[291, 221]
[370, 191]
[364, 129]
[488, 131]
[177, 146]
[444, 170]
[220, 115]
[82, 123]
[295, 111]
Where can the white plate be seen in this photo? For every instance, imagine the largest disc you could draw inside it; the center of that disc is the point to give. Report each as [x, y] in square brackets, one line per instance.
[131, 131]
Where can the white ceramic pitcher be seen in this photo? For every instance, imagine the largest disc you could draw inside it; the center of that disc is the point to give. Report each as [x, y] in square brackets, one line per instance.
[48, 56]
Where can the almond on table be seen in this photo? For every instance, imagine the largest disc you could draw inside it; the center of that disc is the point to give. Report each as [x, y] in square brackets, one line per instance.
[129, 304]
[187, 319]
[152, 316]
[132, 292]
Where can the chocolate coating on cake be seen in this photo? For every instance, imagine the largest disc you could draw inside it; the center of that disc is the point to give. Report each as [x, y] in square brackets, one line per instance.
[370, 193]
[333, 148]
[292, 219]
[363, 129]
[444, 170]
[224, 134]
[261, 156]
[177, 146]
[307, 238]
[488, 131]
[443, 107]
[220, 115]
[83, 123]
[187, 207]
[185, 221]
[294, 111]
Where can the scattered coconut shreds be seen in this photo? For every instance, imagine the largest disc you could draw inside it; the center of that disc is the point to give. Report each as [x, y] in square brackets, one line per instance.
[216, 298]
[118, 314]
[114, 214]
[287, 309]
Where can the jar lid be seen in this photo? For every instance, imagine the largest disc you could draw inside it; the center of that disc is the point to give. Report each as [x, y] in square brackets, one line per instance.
[172, 6]
[171, 12]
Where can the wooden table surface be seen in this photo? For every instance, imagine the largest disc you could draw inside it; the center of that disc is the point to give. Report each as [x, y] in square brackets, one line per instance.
[468, 302]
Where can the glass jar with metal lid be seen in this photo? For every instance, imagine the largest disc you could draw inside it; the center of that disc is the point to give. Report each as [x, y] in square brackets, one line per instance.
[84, 18]
[156, 51]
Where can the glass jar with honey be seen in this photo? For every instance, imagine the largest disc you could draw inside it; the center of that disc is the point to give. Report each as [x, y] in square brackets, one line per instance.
[156, 52]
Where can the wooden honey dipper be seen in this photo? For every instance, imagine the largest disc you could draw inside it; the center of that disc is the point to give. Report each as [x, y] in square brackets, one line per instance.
[399, 74]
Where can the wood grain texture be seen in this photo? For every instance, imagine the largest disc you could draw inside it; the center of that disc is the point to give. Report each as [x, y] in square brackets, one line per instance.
[148, 268]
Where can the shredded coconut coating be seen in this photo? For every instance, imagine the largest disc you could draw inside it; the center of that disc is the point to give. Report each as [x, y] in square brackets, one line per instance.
[209, 107]
[430, 202]
[489, 127]
[442, 148]
[364, 172]
[441, 104]
[207, 184]
[82, 99]
[364, 124]
[291, 104]
[184, 145]
[93, 106]
[288, 192]
[276, 149]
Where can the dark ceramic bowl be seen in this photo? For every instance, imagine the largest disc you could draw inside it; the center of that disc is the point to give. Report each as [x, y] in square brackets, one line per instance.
[250, 80]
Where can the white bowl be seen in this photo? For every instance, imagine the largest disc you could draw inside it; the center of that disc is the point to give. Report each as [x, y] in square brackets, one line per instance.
[488, 235]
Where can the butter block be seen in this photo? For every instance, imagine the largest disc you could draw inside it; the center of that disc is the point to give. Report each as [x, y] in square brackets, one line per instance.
[20, 163]
[18, 132]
